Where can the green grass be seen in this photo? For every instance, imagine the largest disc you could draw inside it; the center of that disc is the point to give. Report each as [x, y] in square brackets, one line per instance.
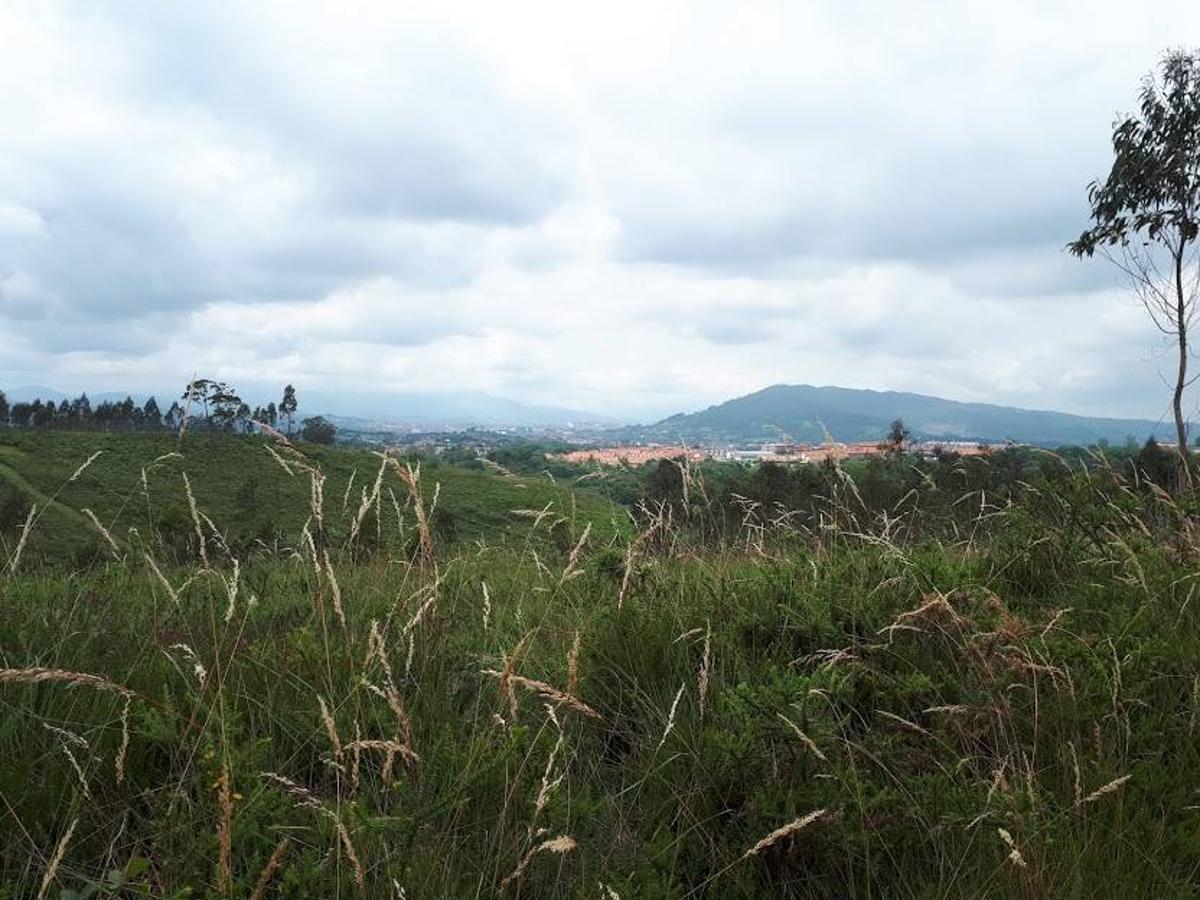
[247, 493]
[946, 691]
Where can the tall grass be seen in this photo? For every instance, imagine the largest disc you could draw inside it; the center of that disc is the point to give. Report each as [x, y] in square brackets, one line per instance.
[845, 708]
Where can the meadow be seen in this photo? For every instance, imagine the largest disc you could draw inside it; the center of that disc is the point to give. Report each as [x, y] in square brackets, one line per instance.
[238, 667]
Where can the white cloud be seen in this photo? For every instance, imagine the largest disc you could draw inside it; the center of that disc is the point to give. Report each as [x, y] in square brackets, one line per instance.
[629, 208]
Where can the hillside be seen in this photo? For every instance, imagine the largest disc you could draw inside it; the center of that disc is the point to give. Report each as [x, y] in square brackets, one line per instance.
[135, 488]
[852, 710]
[804, 413]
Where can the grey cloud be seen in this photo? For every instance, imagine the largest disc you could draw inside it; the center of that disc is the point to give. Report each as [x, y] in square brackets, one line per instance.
[898, 335]
[1043, 271]
[557, 198]
[749, 322]
[117, 339]
[735, 330]
[440, 141]
[118, 240]
[920, 217]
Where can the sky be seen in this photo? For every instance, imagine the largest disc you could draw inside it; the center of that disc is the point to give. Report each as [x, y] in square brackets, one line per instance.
[626, 208]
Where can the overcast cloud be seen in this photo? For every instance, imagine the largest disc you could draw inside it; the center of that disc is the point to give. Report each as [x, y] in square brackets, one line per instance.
[630, 209]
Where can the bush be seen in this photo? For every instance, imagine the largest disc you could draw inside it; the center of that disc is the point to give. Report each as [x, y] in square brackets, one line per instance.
[14, 508]
[318, 430]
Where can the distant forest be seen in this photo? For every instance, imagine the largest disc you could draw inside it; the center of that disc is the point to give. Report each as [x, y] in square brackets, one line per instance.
[205, 405]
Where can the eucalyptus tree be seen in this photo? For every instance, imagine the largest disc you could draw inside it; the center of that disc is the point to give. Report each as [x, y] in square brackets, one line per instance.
[1145, 215]
[198, 390]
[288, 406]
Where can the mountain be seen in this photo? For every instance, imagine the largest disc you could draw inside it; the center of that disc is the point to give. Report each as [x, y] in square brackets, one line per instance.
[28, 393]
[803, 413]
[444, 411]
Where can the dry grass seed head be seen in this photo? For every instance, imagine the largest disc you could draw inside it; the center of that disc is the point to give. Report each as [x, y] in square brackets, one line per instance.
[544, 690]
[330, 728]
[123, 747]
[671, 717]
[573, 667]
[548, 785]
[162, 579]
[269, 870]
[231, 590]
[1109, 788]
[104, 532]
[571, 571]
[561, 844]
[396, 748]
[804, 738]
[60, 850]
[224, 832]
[335, 591]
[191, 499]
[25, 529]
[780, 833]
[37, 675]
[1014, 855]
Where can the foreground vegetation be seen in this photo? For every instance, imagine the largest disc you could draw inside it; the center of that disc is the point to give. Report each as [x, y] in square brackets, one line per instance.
[964, 691]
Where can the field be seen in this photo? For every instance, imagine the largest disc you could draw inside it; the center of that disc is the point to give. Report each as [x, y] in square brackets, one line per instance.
[295, 685]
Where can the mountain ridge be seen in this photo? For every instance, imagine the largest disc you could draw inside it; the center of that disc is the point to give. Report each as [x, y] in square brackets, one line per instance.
[805, 413]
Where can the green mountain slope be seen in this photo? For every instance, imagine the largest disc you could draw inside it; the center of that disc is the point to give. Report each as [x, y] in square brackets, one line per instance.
[804, 412]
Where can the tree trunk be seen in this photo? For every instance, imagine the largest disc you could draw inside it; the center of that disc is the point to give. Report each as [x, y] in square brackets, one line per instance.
[1181, 325]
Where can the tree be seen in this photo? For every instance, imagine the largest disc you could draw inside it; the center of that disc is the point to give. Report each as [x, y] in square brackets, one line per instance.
[287, 407]
[41, 414]
[1154, 464]
[1145, 213]
[81, 410]
[151, 415]
[226, 405]
[174, 417]
[897, 437]
[198, 390]
[318, 430]
[125, 414]
[3, 408]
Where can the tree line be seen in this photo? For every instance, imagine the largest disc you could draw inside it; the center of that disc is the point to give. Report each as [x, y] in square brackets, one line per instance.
[204, 405]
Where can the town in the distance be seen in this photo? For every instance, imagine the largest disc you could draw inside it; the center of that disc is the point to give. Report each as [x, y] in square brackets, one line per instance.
[787, 424]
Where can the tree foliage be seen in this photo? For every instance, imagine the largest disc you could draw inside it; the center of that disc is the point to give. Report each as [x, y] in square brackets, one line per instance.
[318, 430]
[1146, 213]
[1153, 188]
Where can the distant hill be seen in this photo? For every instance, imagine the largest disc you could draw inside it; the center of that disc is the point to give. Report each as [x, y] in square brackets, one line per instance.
[28, 393]
[443, 411]
[803, 413]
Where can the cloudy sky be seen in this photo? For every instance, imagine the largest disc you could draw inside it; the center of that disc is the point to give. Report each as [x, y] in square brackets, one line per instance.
[631, 209]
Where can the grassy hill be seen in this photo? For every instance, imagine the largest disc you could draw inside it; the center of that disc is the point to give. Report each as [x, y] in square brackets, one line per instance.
[854, 709]
[136, 490]
[802, 412]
